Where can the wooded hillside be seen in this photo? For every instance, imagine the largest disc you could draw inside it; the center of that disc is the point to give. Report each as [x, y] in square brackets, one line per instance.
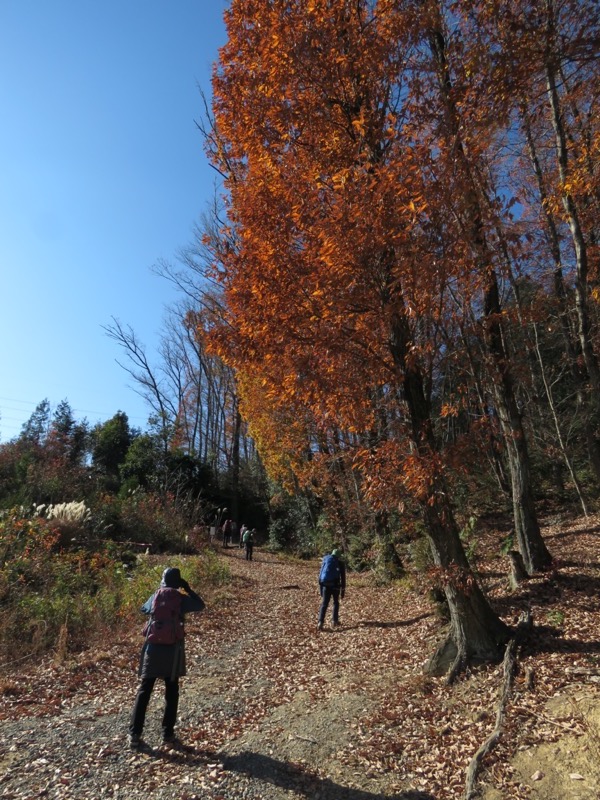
[408, 261]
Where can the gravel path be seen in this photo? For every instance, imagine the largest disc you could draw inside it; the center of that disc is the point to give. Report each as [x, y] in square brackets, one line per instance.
[271, 709]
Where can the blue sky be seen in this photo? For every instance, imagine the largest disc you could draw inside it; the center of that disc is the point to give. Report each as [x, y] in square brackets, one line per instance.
[102, 175]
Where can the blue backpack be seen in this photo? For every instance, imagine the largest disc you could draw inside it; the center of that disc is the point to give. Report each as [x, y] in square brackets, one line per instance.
[330, 574]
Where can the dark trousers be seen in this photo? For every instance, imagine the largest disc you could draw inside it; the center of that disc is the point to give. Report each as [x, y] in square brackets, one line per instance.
[330, 593]
[141, 704]
[249, 551]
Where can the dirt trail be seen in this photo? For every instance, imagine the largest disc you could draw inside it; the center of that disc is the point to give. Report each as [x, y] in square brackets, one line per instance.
[271, 707]
[286, 703]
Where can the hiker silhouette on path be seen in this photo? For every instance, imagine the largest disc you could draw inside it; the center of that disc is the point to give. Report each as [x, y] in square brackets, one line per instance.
[332, 586]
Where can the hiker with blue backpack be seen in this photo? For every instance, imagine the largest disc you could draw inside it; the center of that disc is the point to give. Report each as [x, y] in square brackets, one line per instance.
[332, 586]
[163, 653]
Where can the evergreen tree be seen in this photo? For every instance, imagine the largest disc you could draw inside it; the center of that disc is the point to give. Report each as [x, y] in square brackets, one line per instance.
[111, 441]
[36, 427]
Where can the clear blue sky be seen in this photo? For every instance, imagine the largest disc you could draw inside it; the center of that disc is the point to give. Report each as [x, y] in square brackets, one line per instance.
[102, 174]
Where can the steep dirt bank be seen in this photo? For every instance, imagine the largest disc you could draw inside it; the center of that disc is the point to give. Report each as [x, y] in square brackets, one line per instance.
[274, 709]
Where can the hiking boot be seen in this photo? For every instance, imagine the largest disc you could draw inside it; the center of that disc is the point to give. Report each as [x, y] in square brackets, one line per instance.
[320, 626]
[169, 738]
[135, 740]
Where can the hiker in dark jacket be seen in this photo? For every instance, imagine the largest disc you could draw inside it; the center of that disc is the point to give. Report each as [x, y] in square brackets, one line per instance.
[166, 661]
[226, 531]
[332, 586]
[249, 542]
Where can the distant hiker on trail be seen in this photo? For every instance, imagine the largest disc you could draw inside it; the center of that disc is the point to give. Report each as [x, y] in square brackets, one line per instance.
[332, 586]
[226, 529]
[163, 653]
[243, 530]
[248, 540]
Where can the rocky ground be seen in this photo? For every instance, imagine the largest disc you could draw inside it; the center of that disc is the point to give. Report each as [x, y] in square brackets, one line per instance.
[276, 710]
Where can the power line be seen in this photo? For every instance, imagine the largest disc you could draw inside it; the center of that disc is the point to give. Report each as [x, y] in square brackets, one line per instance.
[105, 414]
[14, 400]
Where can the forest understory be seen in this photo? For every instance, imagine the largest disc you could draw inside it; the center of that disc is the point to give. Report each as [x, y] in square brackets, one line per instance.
[274, 709]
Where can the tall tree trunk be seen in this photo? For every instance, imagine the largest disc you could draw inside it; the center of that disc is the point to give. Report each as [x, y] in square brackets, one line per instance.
[494, 457]
[557, 426]
[476, 631]
[529, 538]
[579, 243]
[235, 462]
[388, 561]
[531, 544]
[588, 404]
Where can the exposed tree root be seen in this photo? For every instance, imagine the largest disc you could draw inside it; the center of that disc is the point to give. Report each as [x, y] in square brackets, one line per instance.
[509, 665]
[459, 665]
[443, 659]
[518, 573]
[451, 658]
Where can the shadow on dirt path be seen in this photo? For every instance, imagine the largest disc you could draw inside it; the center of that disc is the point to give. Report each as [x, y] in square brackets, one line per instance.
[286, 775]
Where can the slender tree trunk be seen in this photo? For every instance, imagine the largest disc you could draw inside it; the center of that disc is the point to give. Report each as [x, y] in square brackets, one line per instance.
[533, 548]
[235, 462]
[498, 467]
[585, 403]
[581, 256]
[389, 560]
[531, 544]
[579, 243]
[557, 425]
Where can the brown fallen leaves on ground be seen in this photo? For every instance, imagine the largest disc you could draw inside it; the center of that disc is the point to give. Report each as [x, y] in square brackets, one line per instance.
[272, 708]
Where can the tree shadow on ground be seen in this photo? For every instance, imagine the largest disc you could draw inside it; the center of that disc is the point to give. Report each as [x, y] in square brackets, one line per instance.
[572, 533]
[580, 582]
[490, 574]
[583, 564]
[549, 592]
[547, 639]
[401, 623]
[289, 776]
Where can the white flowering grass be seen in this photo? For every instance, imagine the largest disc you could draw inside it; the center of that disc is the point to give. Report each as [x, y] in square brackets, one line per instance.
[66, 512]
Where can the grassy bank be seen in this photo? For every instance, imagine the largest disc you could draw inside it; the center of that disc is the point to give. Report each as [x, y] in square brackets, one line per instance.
[58, 599]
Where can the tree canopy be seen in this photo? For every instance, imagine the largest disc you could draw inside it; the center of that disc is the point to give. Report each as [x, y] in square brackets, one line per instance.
[395, 174]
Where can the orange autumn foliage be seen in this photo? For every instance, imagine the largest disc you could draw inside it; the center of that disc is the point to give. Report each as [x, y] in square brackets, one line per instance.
[378, 212]
[375, 195]
[327, 206]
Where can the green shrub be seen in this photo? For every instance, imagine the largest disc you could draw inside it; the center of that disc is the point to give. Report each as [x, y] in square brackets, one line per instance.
[153, 520]
[291, 527]
[57, 599]
[202, 573]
